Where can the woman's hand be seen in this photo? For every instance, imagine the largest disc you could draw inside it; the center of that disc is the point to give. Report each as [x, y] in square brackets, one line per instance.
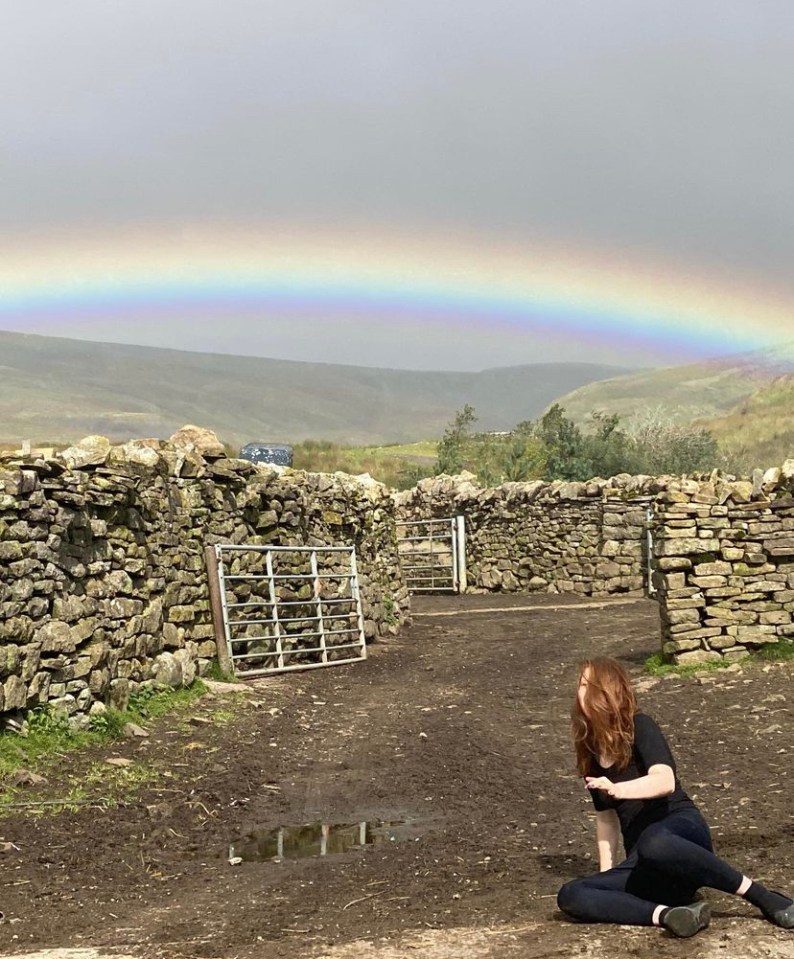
[613, 790]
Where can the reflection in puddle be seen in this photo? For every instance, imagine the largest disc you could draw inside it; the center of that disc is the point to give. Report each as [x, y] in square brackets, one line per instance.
[315, 839]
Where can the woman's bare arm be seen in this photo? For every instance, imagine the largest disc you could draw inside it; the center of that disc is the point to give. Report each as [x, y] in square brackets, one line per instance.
[660, 781]
[607, 838]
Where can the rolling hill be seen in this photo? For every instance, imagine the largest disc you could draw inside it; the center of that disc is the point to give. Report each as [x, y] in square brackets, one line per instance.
[760, 429]
[696, 391]
[58, 390]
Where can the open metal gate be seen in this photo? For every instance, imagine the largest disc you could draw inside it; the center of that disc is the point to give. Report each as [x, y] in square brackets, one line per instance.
[433, 554]
[283, 608]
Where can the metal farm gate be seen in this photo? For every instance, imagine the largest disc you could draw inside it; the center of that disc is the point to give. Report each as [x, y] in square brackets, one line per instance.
[283, 608]
[649, 528]
[433, 554]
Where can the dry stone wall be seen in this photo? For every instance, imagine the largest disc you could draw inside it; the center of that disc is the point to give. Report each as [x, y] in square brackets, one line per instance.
[587, 538]
[102, 578]
[103, 585]
[722, 553]
[725, 564]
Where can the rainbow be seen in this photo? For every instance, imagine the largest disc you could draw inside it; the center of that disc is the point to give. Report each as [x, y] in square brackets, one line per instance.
[473, 283]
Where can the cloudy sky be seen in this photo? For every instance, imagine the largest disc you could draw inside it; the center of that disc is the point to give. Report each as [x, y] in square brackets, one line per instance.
[654, 134]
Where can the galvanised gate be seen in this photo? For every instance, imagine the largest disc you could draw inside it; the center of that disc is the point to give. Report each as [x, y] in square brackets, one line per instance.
[433, 554]
[283, 608]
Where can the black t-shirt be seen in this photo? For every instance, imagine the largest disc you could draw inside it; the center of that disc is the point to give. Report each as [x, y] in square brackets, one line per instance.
[650, 749]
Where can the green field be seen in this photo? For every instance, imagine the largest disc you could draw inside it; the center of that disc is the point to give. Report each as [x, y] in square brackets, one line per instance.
[422, 452]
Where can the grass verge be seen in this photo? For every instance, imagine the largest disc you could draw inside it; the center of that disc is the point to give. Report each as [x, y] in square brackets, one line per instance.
[781, 651]
[50, 738]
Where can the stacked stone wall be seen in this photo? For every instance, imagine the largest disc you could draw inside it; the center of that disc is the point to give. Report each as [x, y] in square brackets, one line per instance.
[102, 576]
[722, 553]
[103, 584]
[724, 558]
[586, 538]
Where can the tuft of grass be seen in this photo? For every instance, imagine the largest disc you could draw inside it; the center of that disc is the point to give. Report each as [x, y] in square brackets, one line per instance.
[110, 724]
[657, 665]
[215, 671]
[780, 652]
[390, 610]
[222, 717]
[48, 734]
[150, 703]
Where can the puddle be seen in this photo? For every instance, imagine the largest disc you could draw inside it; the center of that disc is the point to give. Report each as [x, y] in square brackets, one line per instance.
[317, 839]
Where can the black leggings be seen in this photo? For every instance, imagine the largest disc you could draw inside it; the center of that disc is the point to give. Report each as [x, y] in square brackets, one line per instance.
[672, 859]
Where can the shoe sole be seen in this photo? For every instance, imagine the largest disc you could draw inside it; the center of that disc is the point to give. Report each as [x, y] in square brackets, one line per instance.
[685, 921]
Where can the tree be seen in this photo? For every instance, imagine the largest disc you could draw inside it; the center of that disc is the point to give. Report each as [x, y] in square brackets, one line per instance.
[452, 448]
[566, 457]
[608, 450]
[494, 458]
[525, 459]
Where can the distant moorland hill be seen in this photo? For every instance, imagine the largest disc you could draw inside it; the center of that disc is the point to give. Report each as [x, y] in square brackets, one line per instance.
[695, 391]
[759, 430]
[58, 390]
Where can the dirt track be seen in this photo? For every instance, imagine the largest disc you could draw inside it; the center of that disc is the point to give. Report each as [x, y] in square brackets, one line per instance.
[459, 726]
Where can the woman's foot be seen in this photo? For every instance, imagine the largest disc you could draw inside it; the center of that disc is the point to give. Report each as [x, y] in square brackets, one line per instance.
[782, 917]
[685, 921]
[774, 905]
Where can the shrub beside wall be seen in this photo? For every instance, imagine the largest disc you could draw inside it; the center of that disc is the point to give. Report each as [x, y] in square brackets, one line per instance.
[102, 577]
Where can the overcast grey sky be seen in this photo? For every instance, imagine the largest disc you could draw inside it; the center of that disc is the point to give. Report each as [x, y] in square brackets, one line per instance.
[664, 129]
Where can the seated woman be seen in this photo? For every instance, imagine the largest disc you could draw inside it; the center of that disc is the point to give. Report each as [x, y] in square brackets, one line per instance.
[630, 772]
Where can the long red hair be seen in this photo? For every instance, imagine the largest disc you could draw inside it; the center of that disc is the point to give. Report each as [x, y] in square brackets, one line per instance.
[604, 726]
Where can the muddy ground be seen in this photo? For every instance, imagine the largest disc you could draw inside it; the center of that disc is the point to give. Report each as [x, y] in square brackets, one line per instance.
[458, 727]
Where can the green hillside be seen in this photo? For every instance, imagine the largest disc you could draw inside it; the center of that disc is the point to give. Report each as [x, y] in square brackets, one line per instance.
[759, 431]
[689, 393]
[58, 390]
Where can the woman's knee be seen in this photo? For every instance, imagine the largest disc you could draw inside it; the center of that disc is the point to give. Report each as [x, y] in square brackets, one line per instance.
[656, 845]
[571, 897]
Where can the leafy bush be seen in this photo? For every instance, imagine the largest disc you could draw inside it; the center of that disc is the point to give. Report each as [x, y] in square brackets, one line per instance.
[554, 448]
[44, 721]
